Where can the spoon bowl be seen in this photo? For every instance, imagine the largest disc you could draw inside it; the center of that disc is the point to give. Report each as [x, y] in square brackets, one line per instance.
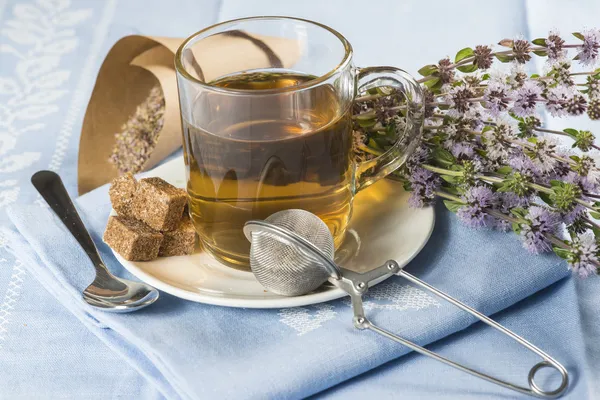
[137, 296]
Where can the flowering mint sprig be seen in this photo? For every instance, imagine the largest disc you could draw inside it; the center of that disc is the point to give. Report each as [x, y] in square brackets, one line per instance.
[485, 151]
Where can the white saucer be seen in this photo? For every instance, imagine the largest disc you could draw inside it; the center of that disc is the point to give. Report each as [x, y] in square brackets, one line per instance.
[383, 227]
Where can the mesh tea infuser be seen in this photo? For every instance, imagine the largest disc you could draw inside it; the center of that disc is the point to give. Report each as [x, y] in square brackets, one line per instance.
[292, 252]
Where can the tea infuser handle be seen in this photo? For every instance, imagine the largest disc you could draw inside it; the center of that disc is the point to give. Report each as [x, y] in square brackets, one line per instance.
[361, 322]
[371, 171]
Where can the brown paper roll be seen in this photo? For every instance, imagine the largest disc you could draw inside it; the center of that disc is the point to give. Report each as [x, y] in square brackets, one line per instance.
[132, 67]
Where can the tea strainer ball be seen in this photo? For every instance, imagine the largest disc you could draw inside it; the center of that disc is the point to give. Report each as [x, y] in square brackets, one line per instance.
[284, 264]
[291, 254]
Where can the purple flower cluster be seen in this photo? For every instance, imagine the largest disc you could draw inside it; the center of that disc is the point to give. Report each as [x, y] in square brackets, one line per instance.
[423, 183]
[506, 202]
[554, 47]
[526, 98]
[583, 256]
[520, 162]
[541, 222]
[556, 99]
[477, 199]
[459, 98]
[589, 49]
[542, 155]
[496, 97]
[496, 141]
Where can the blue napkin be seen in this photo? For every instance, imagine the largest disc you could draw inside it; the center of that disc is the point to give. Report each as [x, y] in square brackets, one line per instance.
[550, 318]
[189, 350]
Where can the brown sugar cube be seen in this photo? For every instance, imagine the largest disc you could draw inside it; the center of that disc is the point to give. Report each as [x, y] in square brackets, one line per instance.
[121, 193]
[132, 239]
[158, 203]
[180, 241]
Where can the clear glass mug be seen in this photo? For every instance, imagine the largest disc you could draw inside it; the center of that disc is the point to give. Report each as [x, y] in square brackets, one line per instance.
[266, 108]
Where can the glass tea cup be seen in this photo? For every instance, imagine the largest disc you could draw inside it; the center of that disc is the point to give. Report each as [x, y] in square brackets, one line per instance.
[266, 108]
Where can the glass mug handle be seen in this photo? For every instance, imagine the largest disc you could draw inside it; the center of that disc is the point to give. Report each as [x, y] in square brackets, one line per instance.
[370, 171]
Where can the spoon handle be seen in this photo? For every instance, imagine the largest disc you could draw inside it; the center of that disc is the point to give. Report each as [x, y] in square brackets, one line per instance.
[51, 187]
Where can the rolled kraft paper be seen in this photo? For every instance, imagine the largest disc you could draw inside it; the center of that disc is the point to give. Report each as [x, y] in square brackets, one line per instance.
[136, 64]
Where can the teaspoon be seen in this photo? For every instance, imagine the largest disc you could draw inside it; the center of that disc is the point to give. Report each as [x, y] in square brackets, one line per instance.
[107, 292]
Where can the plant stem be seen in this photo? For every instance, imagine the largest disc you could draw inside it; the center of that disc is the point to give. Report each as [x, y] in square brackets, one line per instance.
[432, 128]
[534, 186]
[488, 178]
[593, 195]
[448, 196]
[500, 215]
[551, 131]
[546, 190]
[557, 242]
[592, 223]
[562, 134]
[369, 150]
[367, 97]
[442, 171]
[582, 73]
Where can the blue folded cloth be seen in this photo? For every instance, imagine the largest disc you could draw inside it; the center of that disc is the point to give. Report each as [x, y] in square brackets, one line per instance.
[189, 350]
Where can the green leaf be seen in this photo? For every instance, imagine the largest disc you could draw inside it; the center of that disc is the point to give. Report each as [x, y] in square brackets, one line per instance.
[443, 156]
[596, 232]
[452, 190]
[545, 198]
[373, 144]
[462, 54]
[449, 178]
[504, 188]
[541, 53]
[504, 170]
[520, 119]
[539, 42]
[432, 82]
[535, 76]
[576, 58]
[516, 227]
[428, 70]
[467, 68]
[519, 212]
[575, 158]
[367, 123]
[485, 77]
[562, 253]
[453, 205]
[571, 132]
[366, 116]
[595, 215]
[556, 183]
[578, 35]
[504, 58]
